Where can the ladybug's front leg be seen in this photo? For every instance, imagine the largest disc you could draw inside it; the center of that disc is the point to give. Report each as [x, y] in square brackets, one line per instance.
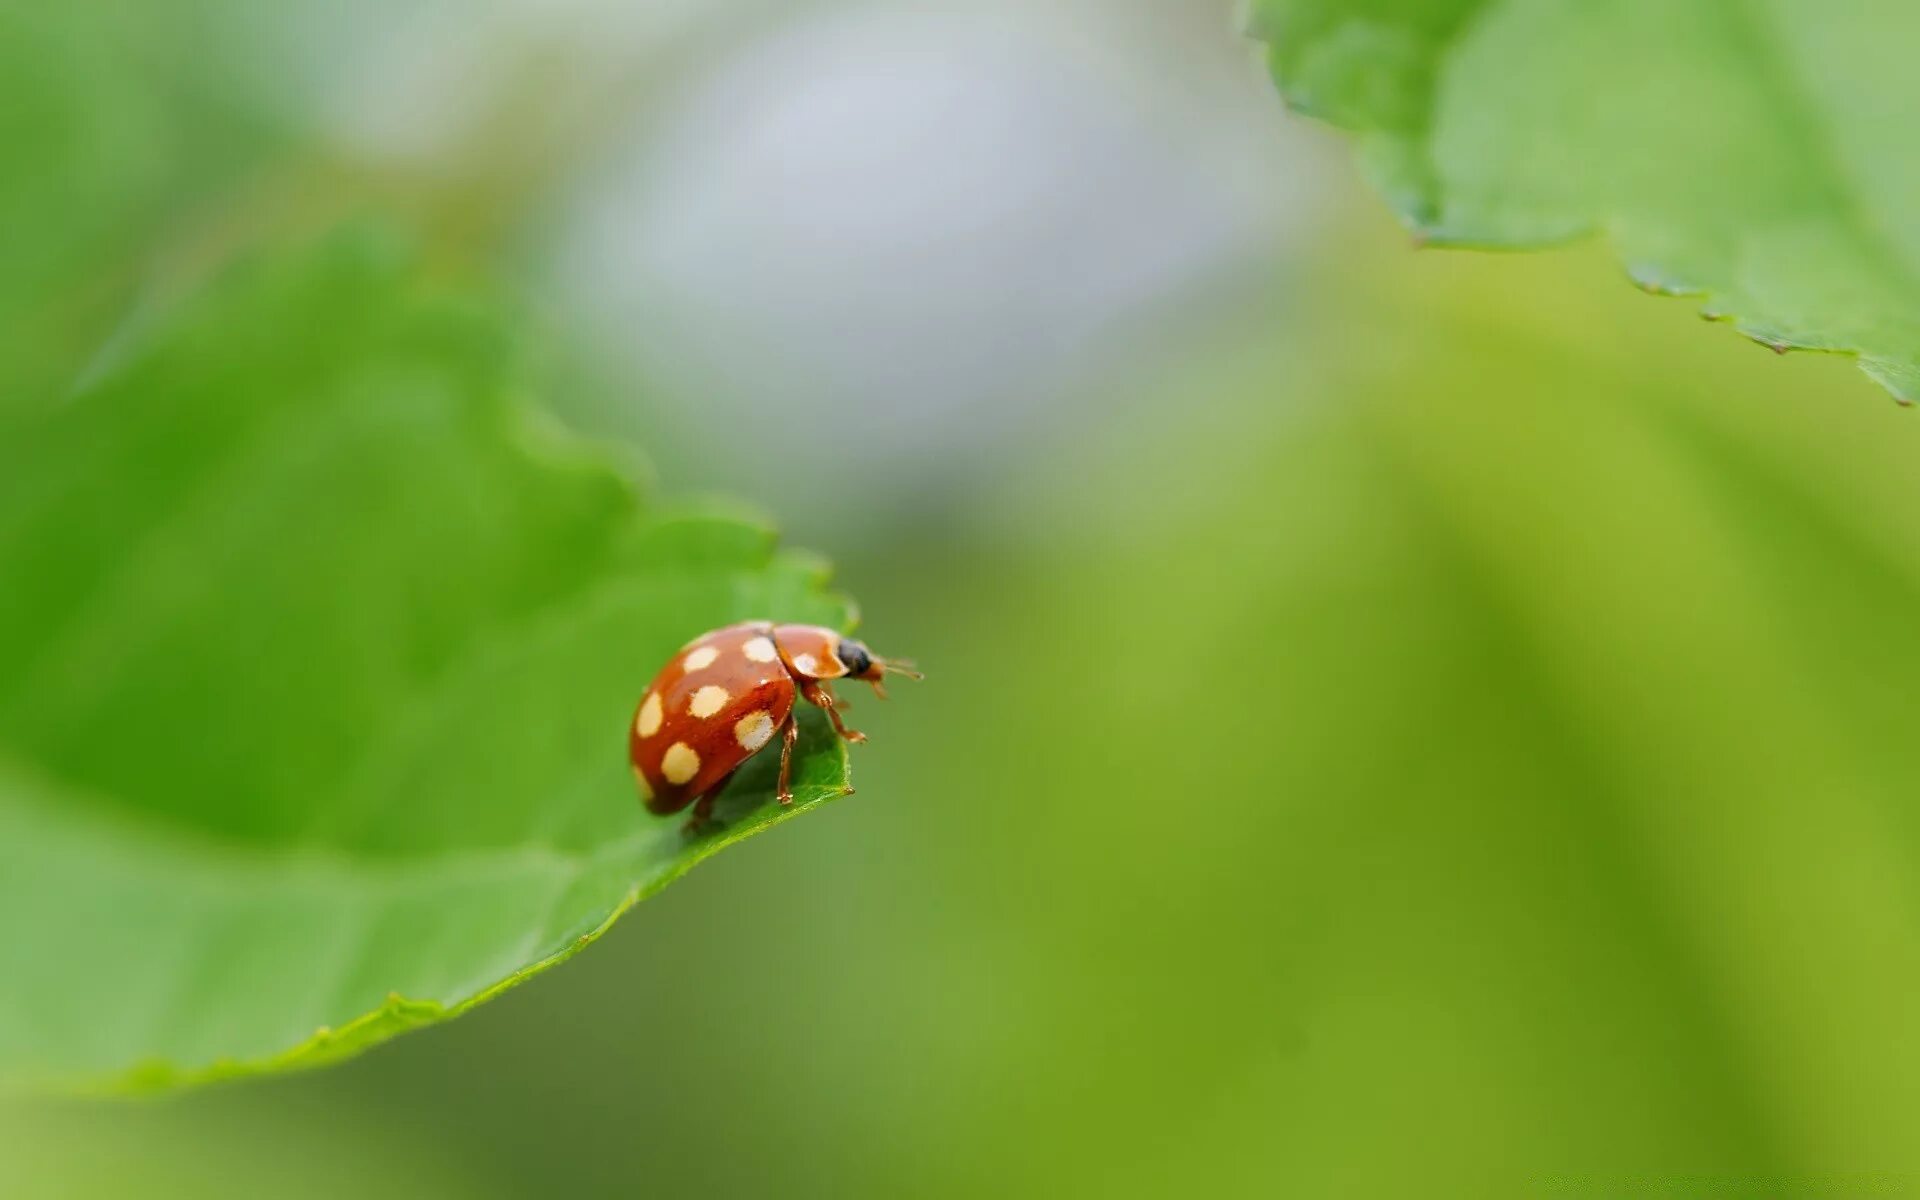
[820, 694]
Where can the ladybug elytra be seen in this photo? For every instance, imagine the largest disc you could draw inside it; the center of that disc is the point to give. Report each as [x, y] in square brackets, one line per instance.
[725, 696]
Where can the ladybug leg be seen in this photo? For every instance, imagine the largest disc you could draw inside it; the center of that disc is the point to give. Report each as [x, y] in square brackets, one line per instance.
[821, 695]
[702, 814]
[787, 738]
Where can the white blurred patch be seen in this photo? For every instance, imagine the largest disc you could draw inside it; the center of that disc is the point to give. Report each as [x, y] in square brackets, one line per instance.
[875, 250]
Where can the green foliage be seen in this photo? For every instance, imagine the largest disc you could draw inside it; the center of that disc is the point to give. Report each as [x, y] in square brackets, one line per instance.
[319, 649]
[119, 126]
[1759, 155]
[1530, 797]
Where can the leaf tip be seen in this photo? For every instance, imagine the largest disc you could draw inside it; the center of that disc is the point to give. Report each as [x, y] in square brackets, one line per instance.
[1901, 379]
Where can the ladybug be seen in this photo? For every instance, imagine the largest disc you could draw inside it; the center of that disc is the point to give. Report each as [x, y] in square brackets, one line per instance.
[724, 697]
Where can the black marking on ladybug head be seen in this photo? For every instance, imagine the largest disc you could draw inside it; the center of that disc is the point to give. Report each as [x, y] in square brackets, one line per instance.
[855, 656]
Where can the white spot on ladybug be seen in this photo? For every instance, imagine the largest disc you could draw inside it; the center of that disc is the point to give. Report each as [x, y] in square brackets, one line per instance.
[648, 722]
[680, 763]
[701, 659]
[806, 664]
[753, 730]
[760, 650]
[640, 780]
[708, 701]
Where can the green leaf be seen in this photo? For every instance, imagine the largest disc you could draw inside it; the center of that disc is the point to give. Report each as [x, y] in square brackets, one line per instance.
[1758, 154]
[122, 127]
[319, 649]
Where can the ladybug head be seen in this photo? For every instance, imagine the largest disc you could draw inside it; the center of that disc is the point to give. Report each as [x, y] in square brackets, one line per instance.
[858, 659]
[862, 663]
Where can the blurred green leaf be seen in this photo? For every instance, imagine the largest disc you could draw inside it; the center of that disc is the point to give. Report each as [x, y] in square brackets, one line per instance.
[319, 649]
[95, 1151]
[122, 127]
[1530, 813]
[1758, 155]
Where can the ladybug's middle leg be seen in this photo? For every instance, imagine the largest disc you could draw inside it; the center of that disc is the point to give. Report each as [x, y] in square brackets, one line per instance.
[787, 738]
[821, 695]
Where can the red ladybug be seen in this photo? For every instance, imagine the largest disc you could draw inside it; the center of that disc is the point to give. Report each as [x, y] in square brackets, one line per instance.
[725, 695]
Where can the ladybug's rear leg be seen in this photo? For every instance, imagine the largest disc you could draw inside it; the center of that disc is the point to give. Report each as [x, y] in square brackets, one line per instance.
[703, 809]
[702, 816]
[820, 694]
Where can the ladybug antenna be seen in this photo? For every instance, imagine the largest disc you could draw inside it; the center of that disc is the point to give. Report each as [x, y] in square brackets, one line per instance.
[882, 667]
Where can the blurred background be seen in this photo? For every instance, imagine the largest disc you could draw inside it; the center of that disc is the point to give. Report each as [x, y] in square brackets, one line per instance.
[1398, 724]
